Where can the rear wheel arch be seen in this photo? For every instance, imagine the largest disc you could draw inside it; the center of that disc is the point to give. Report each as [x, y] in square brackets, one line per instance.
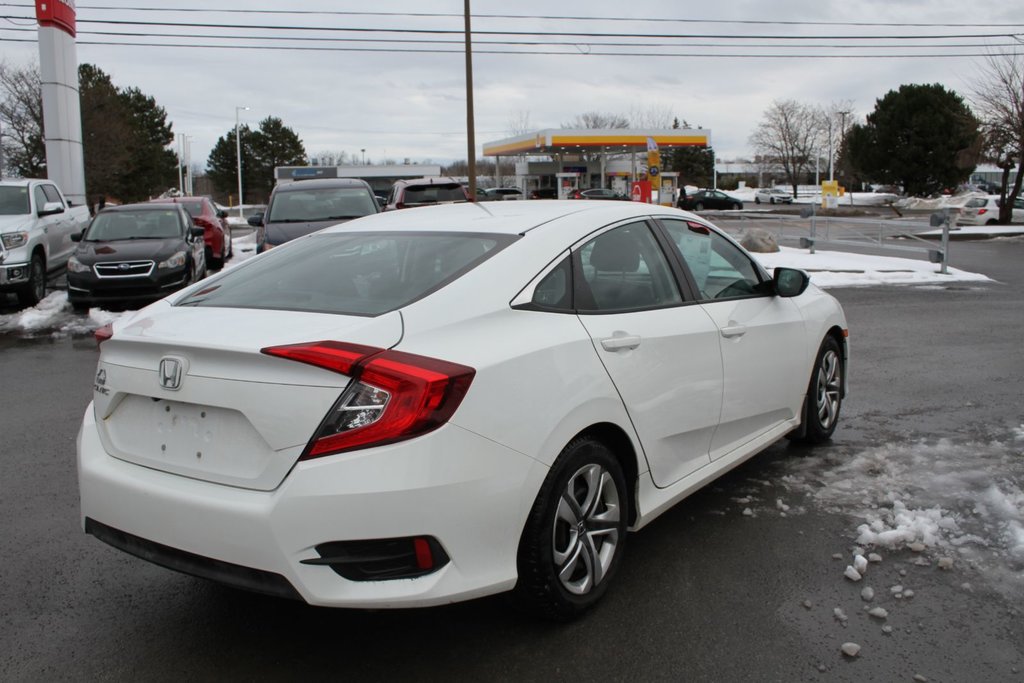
[621, 446]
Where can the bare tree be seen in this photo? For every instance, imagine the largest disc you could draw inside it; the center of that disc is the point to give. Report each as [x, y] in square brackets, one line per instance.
[519, 123]
[21, 117]
[597, 119]
[651, 116]
[788, 135]
[998, 99]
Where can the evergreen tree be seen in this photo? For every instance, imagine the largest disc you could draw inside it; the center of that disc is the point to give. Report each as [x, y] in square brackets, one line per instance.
[922, 137]
[154, 167]
[695, 165]
[105, 132]
[273, 144]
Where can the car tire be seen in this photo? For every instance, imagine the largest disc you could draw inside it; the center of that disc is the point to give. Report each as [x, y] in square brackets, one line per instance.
[698, 206]
[575, 534]
[737, 207]
[33, 291]
[79, 307]
[214, 263]
[757, 200]
[824, 395]
[771, 200]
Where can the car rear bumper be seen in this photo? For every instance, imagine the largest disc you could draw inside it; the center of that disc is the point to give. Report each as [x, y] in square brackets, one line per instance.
[467, 492]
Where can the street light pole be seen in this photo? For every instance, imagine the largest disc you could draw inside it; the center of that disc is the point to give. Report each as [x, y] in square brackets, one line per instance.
[238, 156]
[470, 127]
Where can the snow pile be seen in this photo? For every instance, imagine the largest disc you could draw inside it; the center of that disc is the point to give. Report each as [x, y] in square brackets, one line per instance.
[242, 249]
[41, 315]
[54, 315]
[939, 498]
[840, 269]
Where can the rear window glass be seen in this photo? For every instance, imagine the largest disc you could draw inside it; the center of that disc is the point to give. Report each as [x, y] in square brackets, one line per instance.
[351, 273]
[322, 204]
[976, 203]
[194, 208]
[431, 194]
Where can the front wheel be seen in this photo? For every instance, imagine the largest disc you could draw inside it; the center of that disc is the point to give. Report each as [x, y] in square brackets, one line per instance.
[34, 290]
[757, 200]
[824, 395]
[575, 534]
[698, 207]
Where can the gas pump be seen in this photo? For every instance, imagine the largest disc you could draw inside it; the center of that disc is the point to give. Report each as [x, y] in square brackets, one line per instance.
[567, 182]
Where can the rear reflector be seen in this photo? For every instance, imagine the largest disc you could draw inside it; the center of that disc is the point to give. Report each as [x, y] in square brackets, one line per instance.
[393, 395]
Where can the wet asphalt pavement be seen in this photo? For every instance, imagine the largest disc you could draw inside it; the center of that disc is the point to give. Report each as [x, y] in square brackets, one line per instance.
[705, 593]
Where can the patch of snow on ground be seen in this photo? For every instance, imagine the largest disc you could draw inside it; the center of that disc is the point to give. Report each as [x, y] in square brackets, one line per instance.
[54, 315]
[951, 498]
[840, 269]
[242, 249]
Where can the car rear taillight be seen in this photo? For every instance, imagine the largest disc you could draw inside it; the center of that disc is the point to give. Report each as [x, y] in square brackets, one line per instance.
[392, 395]
[982, 211]
[104, 333]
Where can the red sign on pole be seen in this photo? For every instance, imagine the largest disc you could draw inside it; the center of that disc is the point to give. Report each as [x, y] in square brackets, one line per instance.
[58, 14]
[641, 191]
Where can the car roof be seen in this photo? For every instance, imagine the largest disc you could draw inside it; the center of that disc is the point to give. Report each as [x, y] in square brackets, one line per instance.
[512, 218]
[320, 183]
[154, 205]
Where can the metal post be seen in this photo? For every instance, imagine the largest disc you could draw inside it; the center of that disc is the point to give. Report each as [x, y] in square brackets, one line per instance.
[945, 244]
[238, 153]
[181, 179]
[470, 128]
[814, 225]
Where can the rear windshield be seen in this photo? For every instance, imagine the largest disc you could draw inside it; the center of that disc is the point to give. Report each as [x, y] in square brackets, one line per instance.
[321, 204]
[432, 194]
[350, 273]
[976, 203]
[134, 225]
[195, 209]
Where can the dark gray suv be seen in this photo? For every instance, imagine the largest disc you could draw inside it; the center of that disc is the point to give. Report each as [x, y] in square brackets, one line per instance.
[305, 206]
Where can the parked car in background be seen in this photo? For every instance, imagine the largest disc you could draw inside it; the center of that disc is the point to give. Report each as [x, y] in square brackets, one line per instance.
[772, 195]
[133, 253]
[598, 193]
[216, 232]
[435, 405]
[503, 193]
[305, 206]
[544, 193]
[709, 199]
[985, 211]
[408, 194]
[36, 225]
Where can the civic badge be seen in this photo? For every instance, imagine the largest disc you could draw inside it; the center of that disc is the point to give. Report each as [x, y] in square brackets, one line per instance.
[171, 371]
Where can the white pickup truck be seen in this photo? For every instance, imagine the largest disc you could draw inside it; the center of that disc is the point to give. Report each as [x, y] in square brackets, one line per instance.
[36, 224]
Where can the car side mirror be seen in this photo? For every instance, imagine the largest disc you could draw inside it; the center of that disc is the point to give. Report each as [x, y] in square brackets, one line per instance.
[77, 237]
[790, 282]
[255, 220]
[196, 232]
[50, 208]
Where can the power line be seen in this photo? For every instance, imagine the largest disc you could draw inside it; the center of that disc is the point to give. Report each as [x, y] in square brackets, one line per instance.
[133, 34]
[578, 53]
[548, 17]
[577, 34]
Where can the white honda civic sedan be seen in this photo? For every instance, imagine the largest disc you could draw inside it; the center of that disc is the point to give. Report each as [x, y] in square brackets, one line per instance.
[432, 405]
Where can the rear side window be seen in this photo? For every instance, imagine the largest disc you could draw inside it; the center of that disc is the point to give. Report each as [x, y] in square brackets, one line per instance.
[624, 269]
[976, 203]
[351, 273]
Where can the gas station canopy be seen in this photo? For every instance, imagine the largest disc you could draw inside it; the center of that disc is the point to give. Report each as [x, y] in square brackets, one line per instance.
[558, 141]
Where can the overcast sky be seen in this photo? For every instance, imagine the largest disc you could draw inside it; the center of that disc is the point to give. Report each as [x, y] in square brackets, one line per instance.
[413, 105]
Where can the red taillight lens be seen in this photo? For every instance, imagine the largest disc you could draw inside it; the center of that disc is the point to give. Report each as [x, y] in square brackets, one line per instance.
[982, 211]
[103, 333]
[393, 395]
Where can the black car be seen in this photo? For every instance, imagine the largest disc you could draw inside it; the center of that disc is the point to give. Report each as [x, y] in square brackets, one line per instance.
[135, 252]
[709, 199]
[305, 206]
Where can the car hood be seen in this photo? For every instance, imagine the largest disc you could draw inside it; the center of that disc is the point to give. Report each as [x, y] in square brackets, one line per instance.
[12, 223]
[128, 250]
[282, 232]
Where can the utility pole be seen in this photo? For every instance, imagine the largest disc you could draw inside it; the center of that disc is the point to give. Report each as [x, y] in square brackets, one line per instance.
[470, 130]
[238, 153]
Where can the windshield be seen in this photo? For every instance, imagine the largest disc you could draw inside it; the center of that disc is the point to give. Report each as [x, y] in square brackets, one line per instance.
[321, 204]
[14, 201]
[132, 225]
[350, 273]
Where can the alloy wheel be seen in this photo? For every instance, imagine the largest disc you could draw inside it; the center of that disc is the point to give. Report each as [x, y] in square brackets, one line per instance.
[586, 529]
[827, 388]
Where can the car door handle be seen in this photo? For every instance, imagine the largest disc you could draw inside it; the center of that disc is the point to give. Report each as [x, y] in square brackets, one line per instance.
[734, 330]
[617, 343]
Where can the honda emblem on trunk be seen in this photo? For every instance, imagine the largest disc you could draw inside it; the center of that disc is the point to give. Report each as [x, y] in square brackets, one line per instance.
[170, 373]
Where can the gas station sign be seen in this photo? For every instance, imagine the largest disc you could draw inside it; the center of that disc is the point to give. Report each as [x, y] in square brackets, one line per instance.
[57, 13]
